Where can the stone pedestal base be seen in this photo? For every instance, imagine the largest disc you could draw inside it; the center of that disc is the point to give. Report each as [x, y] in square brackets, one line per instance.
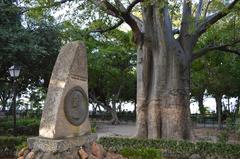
[67, 148]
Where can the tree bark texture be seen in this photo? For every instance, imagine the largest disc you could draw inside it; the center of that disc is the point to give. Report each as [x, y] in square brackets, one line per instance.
[163, 64]
[162, 80]
[237, 108]
[115, 120]
[200, 103]
[219, 110]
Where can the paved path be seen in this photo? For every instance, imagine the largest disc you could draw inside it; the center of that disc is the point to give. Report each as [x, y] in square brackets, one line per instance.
[124, 129]
[128, 130]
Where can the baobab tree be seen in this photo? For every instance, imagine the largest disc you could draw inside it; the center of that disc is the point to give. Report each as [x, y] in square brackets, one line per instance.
[164, 58]
[164, 62]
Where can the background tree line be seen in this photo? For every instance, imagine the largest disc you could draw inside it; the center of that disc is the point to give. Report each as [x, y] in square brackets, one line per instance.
[33, 39]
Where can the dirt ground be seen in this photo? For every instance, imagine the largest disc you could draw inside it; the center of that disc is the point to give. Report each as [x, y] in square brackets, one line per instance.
[128, 130]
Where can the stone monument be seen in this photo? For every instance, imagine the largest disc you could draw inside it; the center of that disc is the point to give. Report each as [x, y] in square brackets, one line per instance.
[65, 126]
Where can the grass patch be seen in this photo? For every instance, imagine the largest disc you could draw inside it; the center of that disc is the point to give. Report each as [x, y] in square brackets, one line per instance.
[183, 149]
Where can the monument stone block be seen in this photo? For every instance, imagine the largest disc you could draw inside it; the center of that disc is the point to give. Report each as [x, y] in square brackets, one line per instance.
[65, 125]
[65, 113]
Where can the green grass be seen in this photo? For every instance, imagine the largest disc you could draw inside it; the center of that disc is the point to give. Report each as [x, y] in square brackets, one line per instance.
[182, 148]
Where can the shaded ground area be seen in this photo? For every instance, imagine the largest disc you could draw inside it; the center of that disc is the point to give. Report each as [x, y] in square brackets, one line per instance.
[105, 129]
[128, 130]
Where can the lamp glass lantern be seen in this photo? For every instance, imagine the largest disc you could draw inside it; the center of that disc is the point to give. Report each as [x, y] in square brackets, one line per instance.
[14, 71]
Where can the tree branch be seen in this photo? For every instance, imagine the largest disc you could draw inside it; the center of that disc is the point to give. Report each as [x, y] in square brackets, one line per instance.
[199, 12]
[185, 38]
[121, 6]
[46, 6]
[186, 14]
[110, 7]
[175, 31]
[127, 17]
[205, 50]
[132, 5]
[206, 10]
[108, 29]
[214, 18]
[237, 52]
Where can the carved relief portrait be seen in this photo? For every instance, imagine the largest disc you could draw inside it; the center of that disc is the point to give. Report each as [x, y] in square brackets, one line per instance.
[76, 106]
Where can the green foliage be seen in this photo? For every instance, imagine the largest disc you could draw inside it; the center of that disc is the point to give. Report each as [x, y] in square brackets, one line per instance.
[20, 122]
[33, 46]
[178, 148]
[10, 145]
[24, 126]
[223, 136]
[93, 127]
[142, 153]
[111, 63]
[230, 124]
[238, 127]
[11, 141]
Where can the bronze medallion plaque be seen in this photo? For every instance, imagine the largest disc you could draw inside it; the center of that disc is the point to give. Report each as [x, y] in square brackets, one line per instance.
[76, 106]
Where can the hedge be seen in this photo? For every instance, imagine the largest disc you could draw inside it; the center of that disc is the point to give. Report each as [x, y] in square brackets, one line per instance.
[183, 149]
[10, 145]
[24, 127]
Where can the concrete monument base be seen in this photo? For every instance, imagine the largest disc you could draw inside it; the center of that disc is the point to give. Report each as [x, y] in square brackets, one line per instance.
[45, 148]
[59, 145]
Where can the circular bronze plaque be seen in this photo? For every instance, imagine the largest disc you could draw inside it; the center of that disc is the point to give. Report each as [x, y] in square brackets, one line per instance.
[76, 106]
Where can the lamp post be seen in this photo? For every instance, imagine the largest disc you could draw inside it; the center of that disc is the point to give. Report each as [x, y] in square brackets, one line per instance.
[14, 72]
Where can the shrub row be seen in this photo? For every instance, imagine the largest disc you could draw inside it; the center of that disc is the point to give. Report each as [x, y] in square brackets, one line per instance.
[184, 149]
[143, 153]
[24, 127]
[9, 145]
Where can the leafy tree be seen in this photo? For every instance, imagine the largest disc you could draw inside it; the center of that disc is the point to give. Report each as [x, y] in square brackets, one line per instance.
[199, 79]
[165, 53]
[216, 71]
[111, 67]
[34, 47]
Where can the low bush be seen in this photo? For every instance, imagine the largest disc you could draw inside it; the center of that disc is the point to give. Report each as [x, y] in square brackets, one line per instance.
[10, 145]
[24, 127]
[179, 149]
[143, 153]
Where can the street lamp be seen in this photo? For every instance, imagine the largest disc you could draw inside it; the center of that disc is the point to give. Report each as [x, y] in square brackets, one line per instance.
[14, 72]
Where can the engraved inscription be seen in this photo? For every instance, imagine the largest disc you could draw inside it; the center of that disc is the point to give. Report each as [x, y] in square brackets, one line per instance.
[77, 77]
[76, 106]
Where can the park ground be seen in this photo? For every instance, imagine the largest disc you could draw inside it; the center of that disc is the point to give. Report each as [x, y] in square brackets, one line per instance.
[127, 129]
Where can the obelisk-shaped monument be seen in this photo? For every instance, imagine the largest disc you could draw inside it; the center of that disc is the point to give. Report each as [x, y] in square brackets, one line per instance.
[65, 113]
[65, 125]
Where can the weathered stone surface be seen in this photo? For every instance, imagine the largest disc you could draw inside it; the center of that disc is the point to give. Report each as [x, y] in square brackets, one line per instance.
[30, 155]
[70, 71]
[21, 152]
[65, 126]
[98, 151]
[83, 154]
[25, 153]
[59, 145]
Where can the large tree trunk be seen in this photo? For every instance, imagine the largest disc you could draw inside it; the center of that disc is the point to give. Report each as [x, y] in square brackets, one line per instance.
[218, 99]
[162, 81]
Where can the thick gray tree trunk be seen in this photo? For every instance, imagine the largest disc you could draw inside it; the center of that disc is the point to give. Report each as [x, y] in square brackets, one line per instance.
[162, 81]
[163, 68]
